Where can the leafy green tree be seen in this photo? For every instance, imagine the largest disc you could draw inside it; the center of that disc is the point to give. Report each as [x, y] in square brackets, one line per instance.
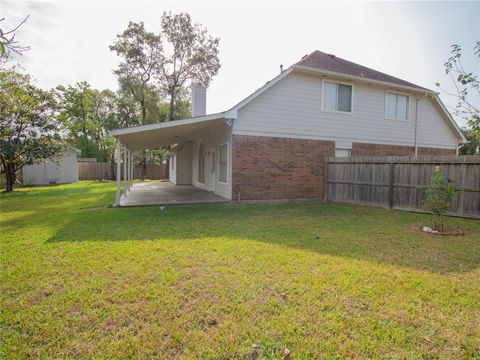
[29, 132]
[438, 198]
[473, 141]
[88, 116]
[140, 52]
[127, 111]
[467, 93]
[189, 55]
[123, 112]
[76, 104]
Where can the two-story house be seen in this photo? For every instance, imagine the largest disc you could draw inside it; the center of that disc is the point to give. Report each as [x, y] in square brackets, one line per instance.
[273, 144]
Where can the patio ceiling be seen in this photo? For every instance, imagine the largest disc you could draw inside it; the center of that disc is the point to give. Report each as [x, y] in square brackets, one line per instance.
[154, 135]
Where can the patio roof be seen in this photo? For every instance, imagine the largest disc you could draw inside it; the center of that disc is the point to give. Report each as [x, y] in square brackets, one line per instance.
[143, 137]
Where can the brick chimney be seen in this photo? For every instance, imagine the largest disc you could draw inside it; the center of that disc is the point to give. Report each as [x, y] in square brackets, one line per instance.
[199, 100]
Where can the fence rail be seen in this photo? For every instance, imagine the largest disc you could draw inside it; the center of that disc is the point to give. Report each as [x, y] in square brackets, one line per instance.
[394, 181]
[103, 171]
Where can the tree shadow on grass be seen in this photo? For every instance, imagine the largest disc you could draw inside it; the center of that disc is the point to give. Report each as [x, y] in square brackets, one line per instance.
[375, 235]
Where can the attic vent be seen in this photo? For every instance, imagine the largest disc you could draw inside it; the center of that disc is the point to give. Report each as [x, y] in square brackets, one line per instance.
[332, 56]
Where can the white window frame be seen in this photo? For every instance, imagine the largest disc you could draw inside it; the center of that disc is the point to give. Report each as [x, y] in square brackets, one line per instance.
[201, 142]
[323, 97]
[228, 162]
[408, 105]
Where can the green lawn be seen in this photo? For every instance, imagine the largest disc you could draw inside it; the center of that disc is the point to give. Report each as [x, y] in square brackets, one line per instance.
[80, 279]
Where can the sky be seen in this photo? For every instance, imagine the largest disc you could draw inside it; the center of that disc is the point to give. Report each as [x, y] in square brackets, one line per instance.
[410, 40]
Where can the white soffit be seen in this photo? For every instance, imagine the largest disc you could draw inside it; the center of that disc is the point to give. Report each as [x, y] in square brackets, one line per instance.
[153, 137]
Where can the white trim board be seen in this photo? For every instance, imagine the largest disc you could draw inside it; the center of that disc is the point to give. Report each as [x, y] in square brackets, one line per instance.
[167, 124]
[337, 139]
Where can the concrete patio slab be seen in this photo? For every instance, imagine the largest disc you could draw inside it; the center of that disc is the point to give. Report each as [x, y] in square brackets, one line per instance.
[166, 193]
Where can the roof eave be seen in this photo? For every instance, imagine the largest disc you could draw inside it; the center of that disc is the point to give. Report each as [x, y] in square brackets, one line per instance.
[166, 124]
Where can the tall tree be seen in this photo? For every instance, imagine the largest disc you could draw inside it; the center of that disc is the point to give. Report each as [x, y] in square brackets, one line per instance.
[140, 51]
[78, 112]
[29, 132]
[76, 109]
[190, 54]
[467, 95]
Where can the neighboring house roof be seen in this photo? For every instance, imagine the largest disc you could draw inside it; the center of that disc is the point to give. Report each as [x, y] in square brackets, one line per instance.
[328, 62]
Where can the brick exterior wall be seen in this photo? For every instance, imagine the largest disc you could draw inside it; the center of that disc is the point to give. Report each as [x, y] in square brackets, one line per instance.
[361, 149]
[278, 168]
[422, 151]
[267, 168]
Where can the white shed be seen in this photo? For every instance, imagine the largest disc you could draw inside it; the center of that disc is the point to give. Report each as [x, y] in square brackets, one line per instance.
[59, 170]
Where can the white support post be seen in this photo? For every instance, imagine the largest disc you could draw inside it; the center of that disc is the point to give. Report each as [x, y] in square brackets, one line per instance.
[118, 158]
[131, 170]
[125, 171]
[128, 169]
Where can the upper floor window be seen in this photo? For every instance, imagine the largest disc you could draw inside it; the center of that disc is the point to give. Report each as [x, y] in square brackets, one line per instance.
[396, 106]
[337, 97]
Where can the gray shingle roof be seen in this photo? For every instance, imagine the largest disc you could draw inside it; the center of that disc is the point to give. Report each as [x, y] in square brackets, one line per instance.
[322, 61]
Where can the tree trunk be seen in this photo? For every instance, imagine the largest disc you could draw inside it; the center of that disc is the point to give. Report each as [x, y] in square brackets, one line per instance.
[171, 115]
[10, 176]
[144, 110]
[112, 166]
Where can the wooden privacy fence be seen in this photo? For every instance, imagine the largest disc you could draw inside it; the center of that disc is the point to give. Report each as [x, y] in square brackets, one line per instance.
[103, 171]
[393, 181]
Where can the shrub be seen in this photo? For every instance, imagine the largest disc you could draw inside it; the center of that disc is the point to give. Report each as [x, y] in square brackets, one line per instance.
[438, 198]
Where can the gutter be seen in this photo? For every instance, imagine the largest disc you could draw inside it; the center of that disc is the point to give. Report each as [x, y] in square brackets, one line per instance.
[415, 136]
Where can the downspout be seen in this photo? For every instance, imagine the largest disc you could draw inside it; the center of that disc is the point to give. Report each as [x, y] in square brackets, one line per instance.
[415, 143]
[457, 152]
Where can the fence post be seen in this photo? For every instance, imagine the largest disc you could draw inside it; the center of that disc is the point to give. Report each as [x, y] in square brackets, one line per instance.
[391, 185]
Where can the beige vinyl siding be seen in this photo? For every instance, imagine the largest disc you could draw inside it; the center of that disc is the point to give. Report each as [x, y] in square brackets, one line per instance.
[432, 132]
[293, 108]
[182, 172]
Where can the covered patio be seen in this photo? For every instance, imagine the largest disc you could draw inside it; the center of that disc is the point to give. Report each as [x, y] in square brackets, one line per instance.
[135, 139]
[166, 193]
